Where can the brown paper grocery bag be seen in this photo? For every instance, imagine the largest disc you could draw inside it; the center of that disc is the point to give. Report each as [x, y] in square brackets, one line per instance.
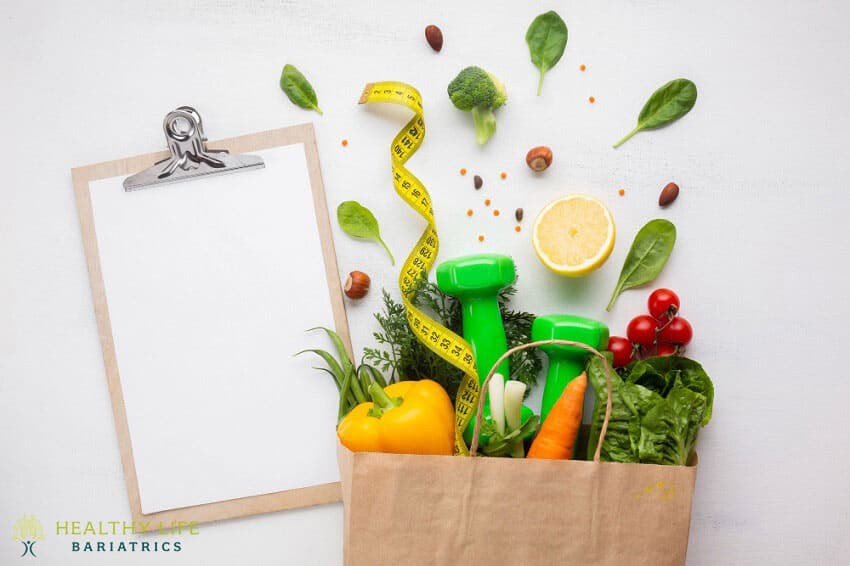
[417, 510]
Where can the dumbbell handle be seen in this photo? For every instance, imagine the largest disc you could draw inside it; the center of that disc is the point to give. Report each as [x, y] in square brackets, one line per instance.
[482, 328]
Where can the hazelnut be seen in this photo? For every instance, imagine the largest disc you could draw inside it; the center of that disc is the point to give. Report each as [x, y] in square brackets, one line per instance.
[539, 158]
[357, 285]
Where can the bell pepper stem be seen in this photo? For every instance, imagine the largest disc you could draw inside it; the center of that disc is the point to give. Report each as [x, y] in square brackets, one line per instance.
[382, 401]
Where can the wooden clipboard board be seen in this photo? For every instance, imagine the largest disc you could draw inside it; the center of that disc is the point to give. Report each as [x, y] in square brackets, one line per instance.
[233, 508]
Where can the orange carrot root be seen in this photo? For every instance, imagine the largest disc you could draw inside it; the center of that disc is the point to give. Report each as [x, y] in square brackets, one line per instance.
[557, 436]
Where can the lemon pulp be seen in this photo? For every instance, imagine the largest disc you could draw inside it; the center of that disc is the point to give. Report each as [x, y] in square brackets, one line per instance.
[574, 235]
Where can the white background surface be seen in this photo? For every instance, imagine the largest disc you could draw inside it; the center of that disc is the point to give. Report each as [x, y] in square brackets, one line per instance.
[200, 304]
[759, 264]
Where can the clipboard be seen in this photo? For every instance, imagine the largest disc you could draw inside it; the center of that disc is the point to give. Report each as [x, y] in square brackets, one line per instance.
[191, 158]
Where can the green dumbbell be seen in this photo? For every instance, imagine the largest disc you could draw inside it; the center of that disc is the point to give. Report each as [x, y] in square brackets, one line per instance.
[475, 280]
[565, 362]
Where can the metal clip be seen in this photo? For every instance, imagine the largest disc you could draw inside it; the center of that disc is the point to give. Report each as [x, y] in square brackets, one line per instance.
[190, 158]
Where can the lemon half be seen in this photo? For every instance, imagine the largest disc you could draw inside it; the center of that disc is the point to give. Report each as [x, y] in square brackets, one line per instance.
[574, 235]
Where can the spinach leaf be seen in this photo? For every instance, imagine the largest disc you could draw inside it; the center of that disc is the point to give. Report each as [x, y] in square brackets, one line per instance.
[358, 221]
[546, 38]
[647, 256]
[298, 89]
[667, 104]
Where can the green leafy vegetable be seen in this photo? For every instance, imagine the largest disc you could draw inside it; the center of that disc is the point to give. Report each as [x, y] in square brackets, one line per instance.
[628, 403]
[507, 444]
[647, 256]
[659, 373]
[669, 429]
[404, 357]
[477, 91]
[658, 406]
[667, 104]
[298, 89]
[546, 38]
[358, 221]
[352, 382]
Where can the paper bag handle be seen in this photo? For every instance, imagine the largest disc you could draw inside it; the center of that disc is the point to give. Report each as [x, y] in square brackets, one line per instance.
[479, 415]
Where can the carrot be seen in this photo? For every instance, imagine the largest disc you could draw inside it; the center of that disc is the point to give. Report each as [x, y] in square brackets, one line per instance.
[557, 436]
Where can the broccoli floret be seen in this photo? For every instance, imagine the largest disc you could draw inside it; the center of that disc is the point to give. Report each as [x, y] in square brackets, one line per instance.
[477, 91]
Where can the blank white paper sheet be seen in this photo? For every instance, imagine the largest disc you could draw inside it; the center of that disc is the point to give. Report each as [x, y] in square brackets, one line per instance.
[210, 286]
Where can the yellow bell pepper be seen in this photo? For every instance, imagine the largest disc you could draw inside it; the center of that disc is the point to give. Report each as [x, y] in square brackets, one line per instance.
[408, 417]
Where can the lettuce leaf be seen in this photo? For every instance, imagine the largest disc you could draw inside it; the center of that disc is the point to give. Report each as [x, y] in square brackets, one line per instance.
[658, 407]
[669, 429]
[660, 374]
[629, 403]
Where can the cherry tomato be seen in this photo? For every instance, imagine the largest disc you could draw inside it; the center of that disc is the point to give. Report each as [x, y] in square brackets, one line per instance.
[622, 350]
[641, 330]
[663, 304]
[679, 331]
[666, 350]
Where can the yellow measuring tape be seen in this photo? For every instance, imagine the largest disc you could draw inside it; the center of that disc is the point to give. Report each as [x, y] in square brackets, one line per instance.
[434, 335]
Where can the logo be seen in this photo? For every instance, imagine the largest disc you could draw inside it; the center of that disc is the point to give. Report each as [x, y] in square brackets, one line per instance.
[28, 530]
